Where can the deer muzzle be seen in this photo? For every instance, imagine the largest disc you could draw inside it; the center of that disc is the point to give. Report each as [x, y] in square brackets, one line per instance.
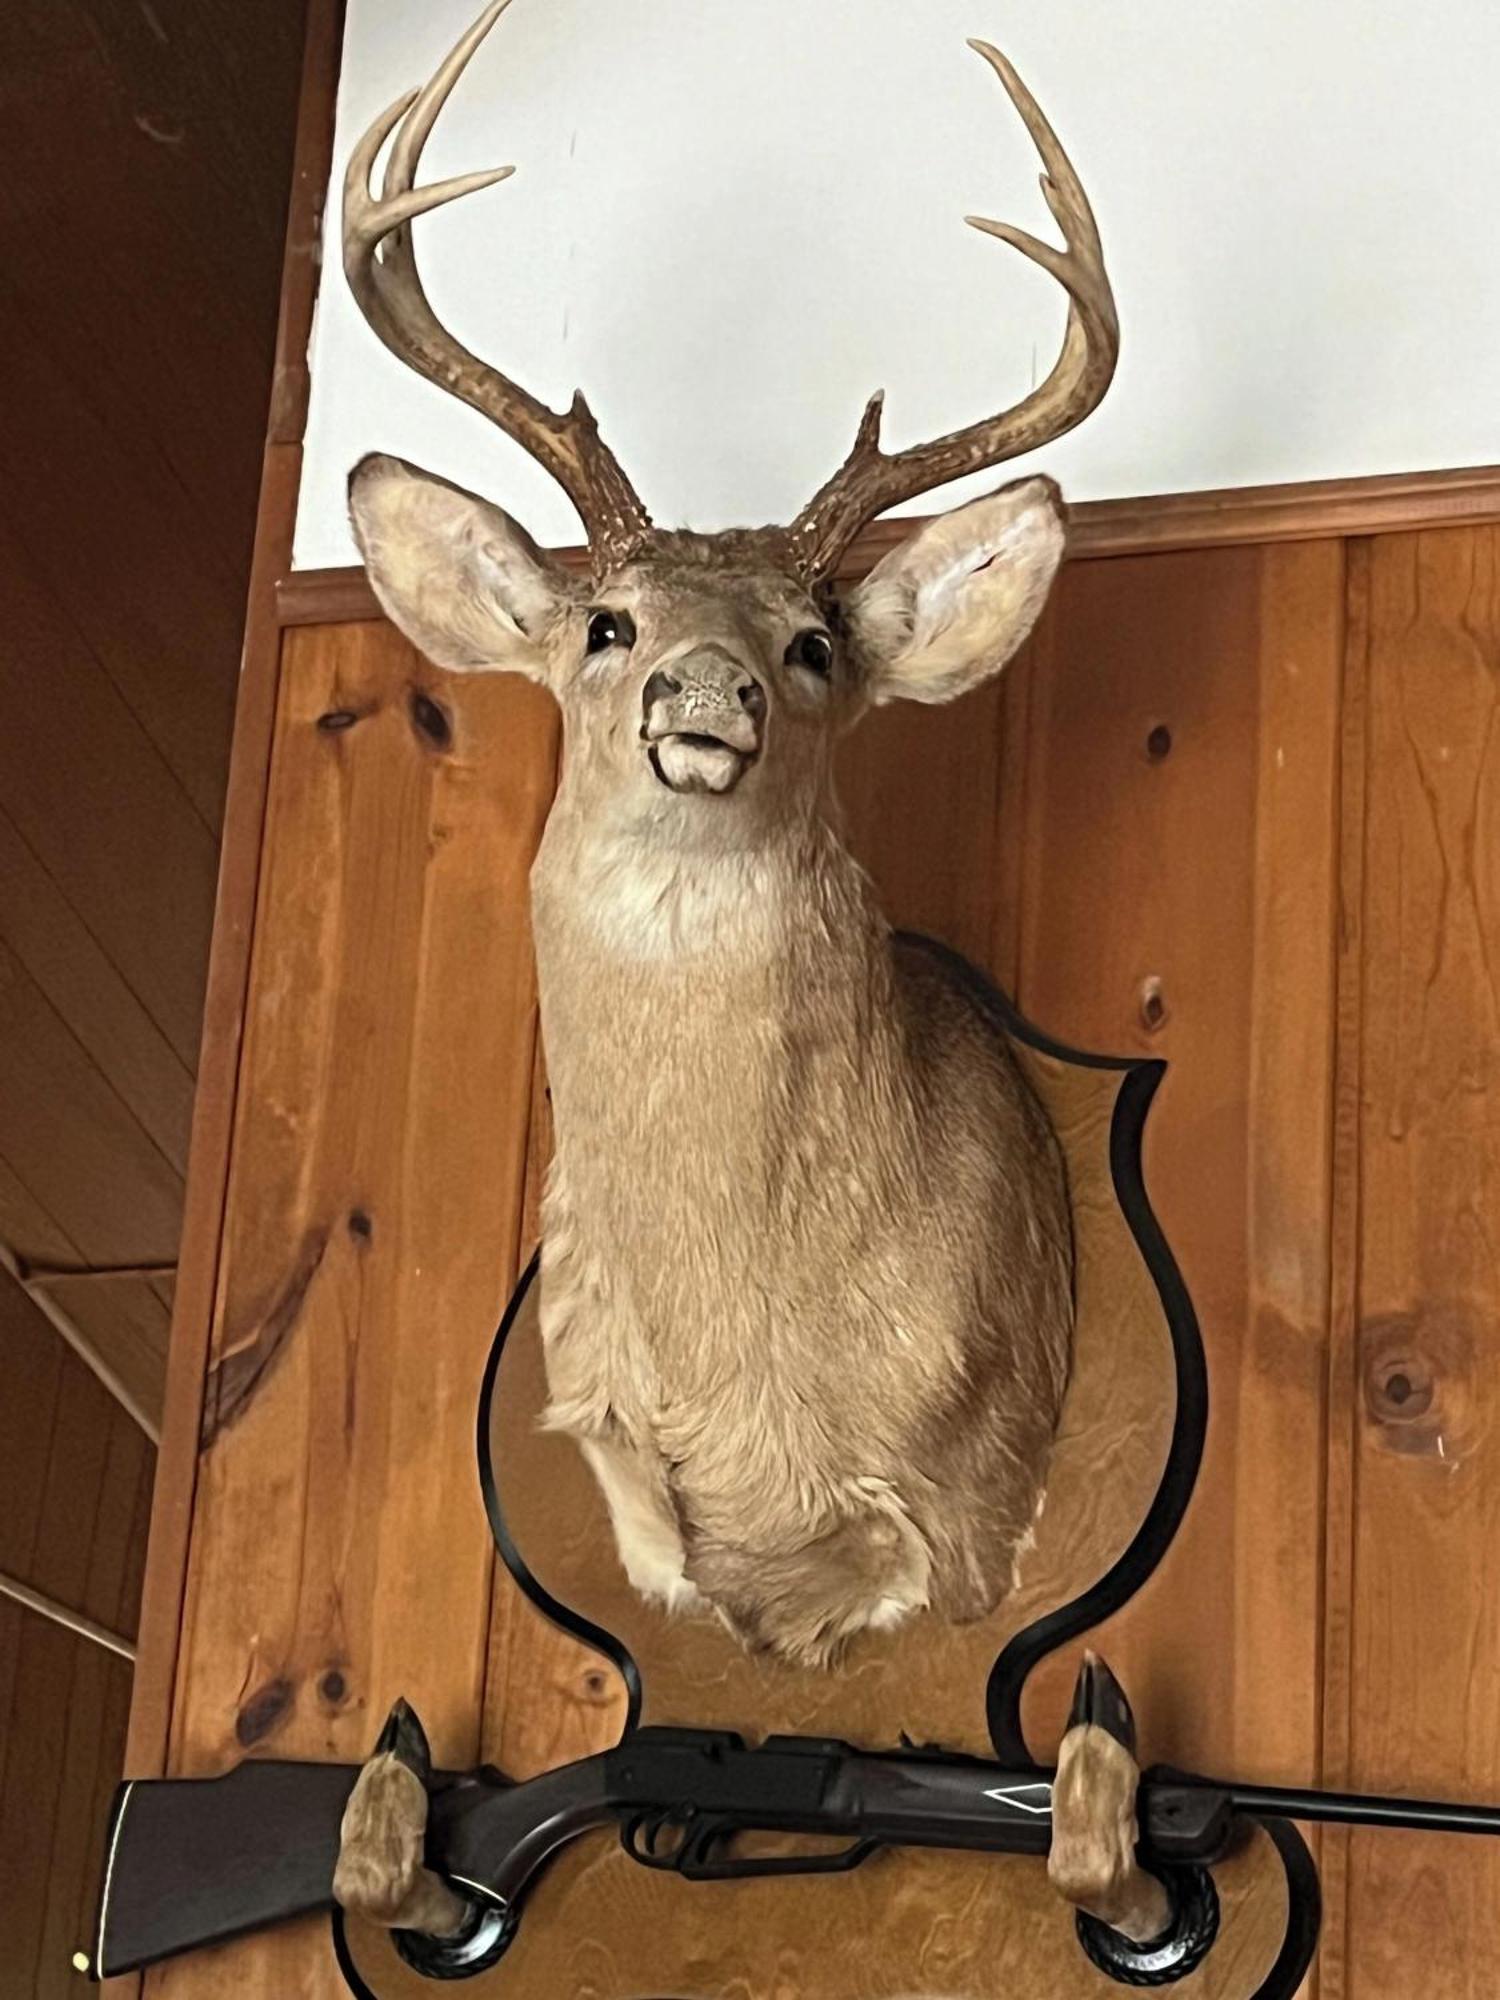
[702, 722]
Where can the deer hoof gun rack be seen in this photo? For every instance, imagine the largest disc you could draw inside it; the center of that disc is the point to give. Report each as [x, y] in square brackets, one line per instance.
[687, 1859]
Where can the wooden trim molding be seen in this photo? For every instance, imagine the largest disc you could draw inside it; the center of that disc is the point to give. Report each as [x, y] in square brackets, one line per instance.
[1309, 510]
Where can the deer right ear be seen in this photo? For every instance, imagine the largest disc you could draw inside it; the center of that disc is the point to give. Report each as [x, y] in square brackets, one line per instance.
[464, 582]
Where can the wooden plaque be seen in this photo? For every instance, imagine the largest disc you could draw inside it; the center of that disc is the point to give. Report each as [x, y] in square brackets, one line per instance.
[907, 1924]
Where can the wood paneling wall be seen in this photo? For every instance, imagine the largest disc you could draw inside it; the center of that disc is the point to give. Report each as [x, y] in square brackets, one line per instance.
[1413, 1690]
[75, 1495]
[1237, 807]
[148, 156]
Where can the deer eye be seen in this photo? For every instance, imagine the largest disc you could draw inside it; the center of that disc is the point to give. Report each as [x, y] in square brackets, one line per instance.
[813, 650]
[609, 628]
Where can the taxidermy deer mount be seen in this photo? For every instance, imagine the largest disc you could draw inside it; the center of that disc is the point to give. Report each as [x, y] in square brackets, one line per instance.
[807, 1259]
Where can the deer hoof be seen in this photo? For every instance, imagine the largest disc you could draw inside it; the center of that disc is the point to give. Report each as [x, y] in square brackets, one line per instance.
[381, 1874]
[1092, 1863]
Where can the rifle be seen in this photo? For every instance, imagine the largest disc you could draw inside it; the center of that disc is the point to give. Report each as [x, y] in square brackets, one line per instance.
[197, 1861]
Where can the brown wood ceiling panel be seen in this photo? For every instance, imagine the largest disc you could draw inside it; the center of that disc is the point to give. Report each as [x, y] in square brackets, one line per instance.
[80, 981]
[98, 805]
[75, 1486]
[126, 1322]
[82, 1154]
[141, 220]
[75, 1475]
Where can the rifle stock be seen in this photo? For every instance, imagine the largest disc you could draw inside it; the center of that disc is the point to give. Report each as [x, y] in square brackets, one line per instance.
[193, 1861]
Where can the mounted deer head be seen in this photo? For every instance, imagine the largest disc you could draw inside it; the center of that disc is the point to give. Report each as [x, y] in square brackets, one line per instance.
[806, 1300]
[700, 662]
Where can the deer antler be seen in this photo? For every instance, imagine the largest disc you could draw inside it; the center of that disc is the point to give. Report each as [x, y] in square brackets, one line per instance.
[380, 264]
[871, 480]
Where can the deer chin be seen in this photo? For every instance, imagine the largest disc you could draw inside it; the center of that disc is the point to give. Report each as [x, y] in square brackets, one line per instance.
[691, 763]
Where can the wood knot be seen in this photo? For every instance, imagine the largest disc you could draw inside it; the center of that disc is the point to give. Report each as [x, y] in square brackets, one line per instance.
[1416, 1372]
[1159, 743]
[1400, 1391]
[334, 719]
[430, 720]
[361, 1228]
[333, 1687]
[263, 1714]
[1154, 1012]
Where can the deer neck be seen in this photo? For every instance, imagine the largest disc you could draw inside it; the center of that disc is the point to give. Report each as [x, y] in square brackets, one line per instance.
[703, 1013]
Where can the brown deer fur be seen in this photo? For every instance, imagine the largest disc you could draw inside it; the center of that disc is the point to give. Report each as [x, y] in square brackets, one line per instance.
[806, 1268]
[806, 1282]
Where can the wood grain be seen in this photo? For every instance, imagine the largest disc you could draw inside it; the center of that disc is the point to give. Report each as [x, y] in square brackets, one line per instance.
[1339, 1582]
[74, 1474]
[127, 1324]
[228, 968]
[78, 979]
[64, 1704]
[1152, 823]
[598, 1927]
[75, 1478]
[372, 1226]
[1425, 1642]
[139, 227]
[1178, 867]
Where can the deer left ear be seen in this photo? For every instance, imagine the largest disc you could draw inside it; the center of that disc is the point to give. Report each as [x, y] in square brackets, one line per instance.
[947, 608]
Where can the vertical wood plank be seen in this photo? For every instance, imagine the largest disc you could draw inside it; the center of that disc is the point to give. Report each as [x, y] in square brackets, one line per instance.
[1180, 863]
[74, 1470]
[921, 794]
[1334, 1847]
[373, 1222]
[1288, 1135]
[1425, 1642]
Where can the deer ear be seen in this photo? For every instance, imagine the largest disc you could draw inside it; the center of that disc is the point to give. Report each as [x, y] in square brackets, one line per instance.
[465, 583]
[947, 608]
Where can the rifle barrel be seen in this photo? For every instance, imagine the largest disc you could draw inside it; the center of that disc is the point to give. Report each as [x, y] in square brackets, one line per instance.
[1361, 1809]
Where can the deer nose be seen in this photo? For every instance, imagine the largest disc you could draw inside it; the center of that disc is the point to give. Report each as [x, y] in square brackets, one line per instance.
[707, 693]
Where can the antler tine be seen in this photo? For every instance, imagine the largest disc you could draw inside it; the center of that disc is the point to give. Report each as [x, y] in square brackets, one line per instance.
[406, 154]
[871, 480]
[381, 267]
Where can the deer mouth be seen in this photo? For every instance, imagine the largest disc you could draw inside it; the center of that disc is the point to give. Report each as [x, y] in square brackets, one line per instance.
[687, 761]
